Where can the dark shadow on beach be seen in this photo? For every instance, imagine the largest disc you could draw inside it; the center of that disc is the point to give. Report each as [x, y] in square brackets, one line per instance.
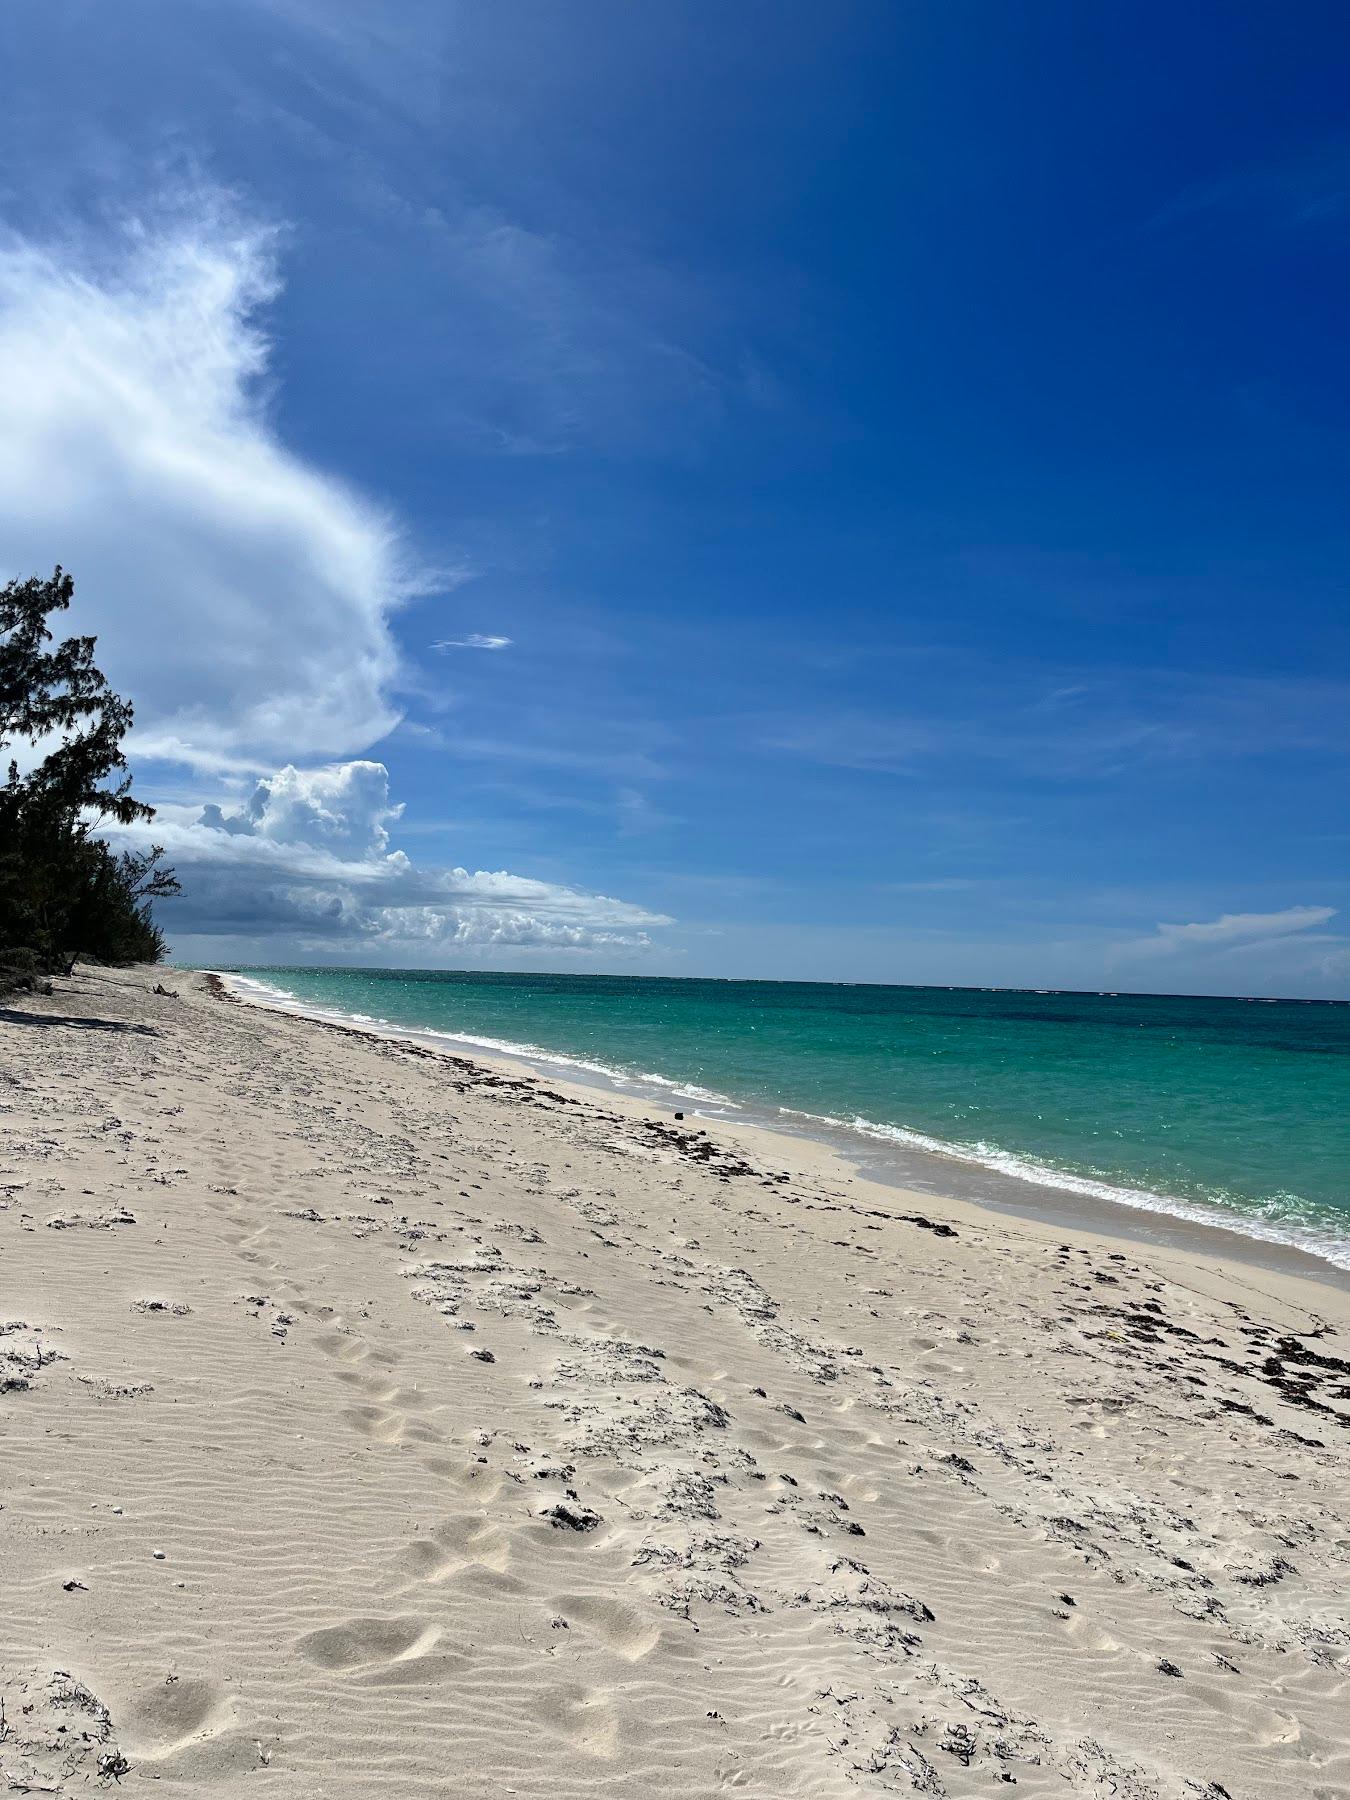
[10, 1015]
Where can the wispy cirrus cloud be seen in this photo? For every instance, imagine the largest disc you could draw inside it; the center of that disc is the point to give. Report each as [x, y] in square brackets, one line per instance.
[1306, 190]
[475, 640]
[541, 336]
[1232, 931]
[1068, 725]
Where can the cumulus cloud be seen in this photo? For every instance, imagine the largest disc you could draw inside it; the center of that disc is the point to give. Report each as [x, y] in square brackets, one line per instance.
[343, 808]
[240, 594]
[1231, 931]
[304, 858]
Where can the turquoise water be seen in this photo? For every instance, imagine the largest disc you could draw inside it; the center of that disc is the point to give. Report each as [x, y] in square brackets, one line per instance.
[1236, 1111]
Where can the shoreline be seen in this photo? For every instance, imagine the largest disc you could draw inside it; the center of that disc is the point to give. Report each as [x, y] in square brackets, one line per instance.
[932, 1174]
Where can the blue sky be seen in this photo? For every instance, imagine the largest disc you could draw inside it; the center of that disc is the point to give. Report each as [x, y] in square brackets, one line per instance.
[845, 492]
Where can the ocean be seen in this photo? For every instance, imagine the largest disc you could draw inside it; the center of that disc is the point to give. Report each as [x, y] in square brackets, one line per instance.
[1231, 1112]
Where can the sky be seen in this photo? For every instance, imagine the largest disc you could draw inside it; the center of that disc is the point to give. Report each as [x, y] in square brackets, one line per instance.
[835, 493]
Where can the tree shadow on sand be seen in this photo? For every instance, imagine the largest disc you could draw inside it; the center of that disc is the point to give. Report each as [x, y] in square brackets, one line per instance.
[10, 1015]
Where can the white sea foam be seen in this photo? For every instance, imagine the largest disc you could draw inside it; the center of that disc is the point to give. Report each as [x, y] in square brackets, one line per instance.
[266, 988]
[269, 994]
[1314, 1239]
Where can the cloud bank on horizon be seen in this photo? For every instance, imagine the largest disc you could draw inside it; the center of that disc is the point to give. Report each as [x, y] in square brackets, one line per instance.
[307, 855]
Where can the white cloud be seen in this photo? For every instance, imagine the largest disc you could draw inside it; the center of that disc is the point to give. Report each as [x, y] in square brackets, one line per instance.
[944, 884]
[239, 594]
[1230, 931]
[304, 859]
[343, 808]
[476, 640]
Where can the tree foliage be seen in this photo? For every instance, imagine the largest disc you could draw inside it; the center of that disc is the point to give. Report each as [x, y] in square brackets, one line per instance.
[63, 891]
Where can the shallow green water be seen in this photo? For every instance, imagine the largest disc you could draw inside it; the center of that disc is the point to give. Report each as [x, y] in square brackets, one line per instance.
[1193, 1106]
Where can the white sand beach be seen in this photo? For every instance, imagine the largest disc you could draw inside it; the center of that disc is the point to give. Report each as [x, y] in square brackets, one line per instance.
[383, 1423]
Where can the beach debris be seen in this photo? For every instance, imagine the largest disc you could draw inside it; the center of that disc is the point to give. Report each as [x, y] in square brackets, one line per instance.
[55, 1735]
[569, 1515]
[1168, 1668]
[689, 1496]
[103, 1221]
[65, 1691]
[484, 1356]
[923, 1776]
[937, 1226]
[103, 1389]
[1263, 1574]
[959, 1741]
[20, 1364]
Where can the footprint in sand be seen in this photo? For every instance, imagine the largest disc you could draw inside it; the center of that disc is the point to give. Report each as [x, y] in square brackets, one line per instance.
[374, 1422]
[619, 1627]
[342, 1345]
[384, 1652]
[1092, 1637]
[379, 1420]
[457, 1545]
[186, 1728]
[367, 1643]
[387, 1425]
[475, 1481]
[381, 1390]
[243, 1234]
[312, 1309]
[342, 1341]
[584, 1717]
[375, 1387]
[417, 1431]
[173, 1713]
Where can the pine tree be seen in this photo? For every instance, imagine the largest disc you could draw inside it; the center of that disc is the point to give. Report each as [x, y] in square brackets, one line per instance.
[63, 893]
